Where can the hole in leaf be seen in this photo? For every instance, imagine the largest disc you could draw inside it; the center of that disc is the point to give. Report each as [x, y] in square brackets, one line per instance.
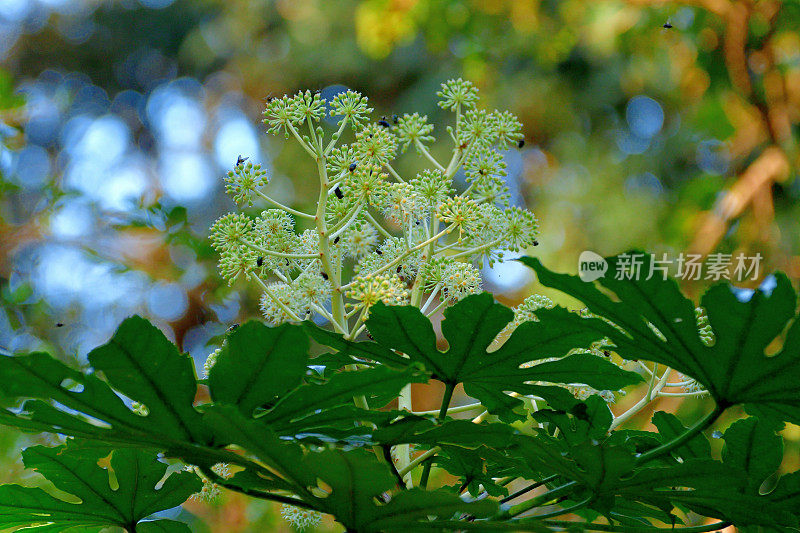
[322, 490]
[71, 385]
[769, 484]
[83, 416]
[105, 464]
[776, 345]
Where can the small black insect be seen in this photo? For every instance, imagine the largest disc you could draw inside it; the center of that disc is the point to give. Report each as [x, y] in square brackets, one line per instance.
[399, 269]
[336, 240]
[667, 25]
[370, 336]
[60, 325]
[536, 243]
[260, 261]
[395, 119]
[384, 123]
[269, 98]
[521, 143]
[324, 275]
[338, 193]
[352, 166]
[233, 327]
[378, 252]
[241, 160]
[606, 353]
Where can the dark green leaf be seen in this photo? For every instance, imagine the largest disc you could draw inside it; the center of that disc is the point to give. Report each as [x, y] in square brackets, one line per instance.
[258, 364]
[74, 469]
[356, 351]
[471, 326]
[735, 369]
[143, 364]
[138, 360]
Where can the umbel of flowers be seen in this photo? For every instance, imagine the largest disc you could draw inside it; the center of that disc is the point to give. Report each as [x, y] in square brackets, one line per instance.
[376, 235]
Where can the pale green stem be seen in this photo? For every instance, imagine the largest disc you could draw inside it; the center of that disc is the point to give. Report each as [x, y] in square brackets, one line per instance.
[653, 390]
[453, 164]
[328, 316]
[282, 305]
[408, 252]
[646, 369]
[353, 311]
[359, 331]
[281, 276]
[266, 251]
[424, 151]
[334, 275]
[469, 189]
[477, 249]
[452, 410]
[336, 136]
[452, 246]
[437, 309]
[404, 403]
[361, 318]
[419, 459]
[317, 142]
[284, 207]
[430, 299]
[335, 232]
[676, 384]
[377, 225]
[692, 393]
[394, 173]
[478, 419]
[299, 139]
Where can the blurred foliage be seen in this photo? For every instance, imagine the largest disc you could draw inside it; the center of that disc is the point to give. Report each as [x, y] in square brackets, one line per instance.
[669, 139]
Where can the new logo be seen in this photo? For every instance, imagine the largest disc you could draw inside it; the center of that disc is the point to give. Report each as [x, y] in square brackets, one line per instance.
[591, 266]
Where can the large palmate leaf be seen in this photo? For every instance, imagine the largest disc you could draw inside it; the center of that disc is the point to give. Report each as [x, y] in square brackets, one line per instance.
[258, 364]
[139, 361]
[73, 468]
[656, 322]
[354, 481]
[470, 327]
[261, 370]
[717, 490]
[143, 364]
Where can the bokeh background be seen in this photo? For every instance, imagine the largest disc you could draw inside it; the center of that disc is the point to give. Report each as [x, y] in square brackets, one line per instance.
[663, 126]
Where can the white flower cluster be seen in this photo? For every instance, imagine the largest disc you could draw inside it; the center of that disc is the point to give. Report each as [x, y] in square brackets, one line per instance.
[300, 518]
[406, 240]
[210, 491]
